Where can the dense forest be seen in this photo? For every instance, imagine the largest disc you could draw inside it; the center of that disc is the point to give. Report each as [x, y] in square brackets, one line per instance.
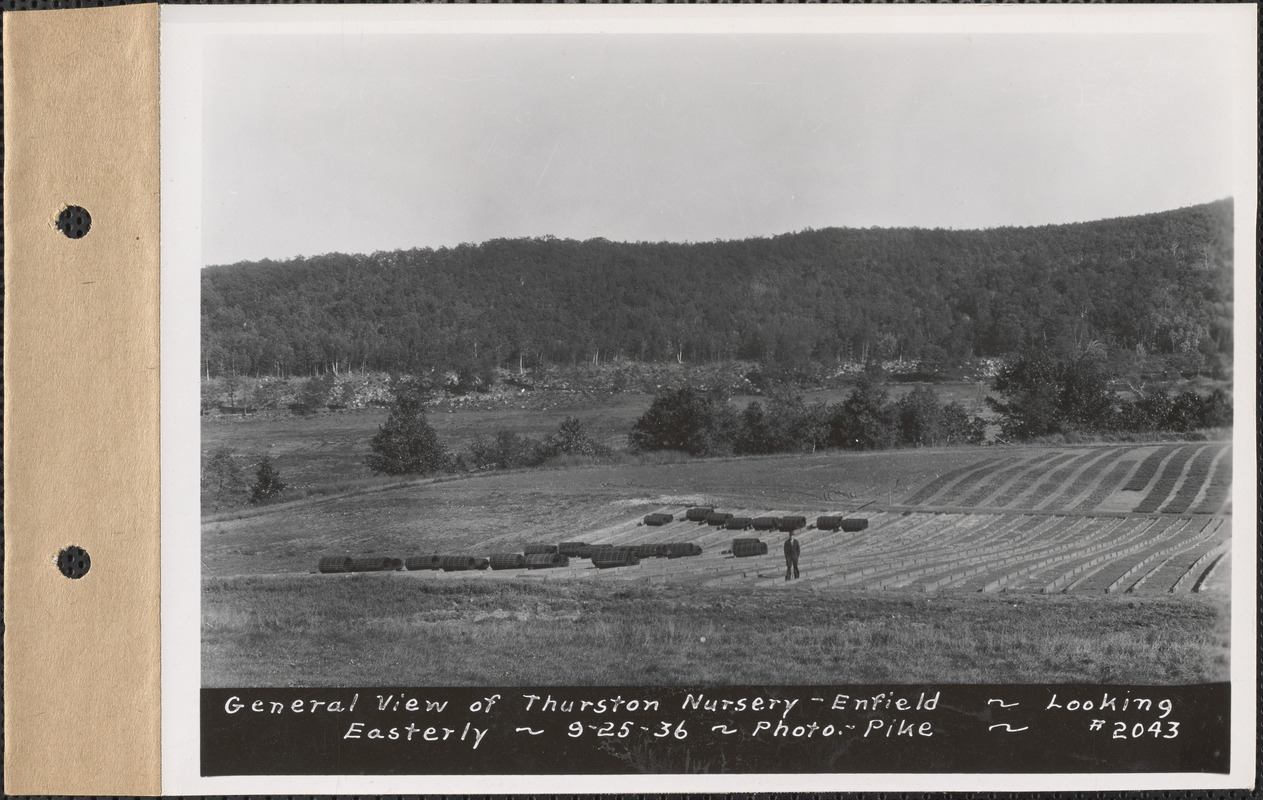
[1152, 284]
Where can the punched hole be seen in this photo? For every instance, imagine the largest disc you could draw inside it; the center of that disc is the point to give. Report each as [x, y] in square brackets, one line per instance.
[74, 222]
[74, 562]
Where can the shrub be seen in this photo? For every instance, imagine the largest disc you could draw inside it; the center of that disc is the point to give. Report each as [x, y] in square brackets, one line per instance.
[506, 450]
[314, 395]
[1068, 399]
[866, 419]
[222, 479]
[787, 425]
[1045, 396]
[960, 428]
[920, 417]
[267, 483]
[573, 439]
[699, 423]
[406, 443]
[1185, 412]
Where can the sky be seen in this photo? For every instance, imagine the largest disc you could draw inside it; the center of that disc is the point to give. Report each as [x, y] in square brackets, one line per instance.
[323, 143]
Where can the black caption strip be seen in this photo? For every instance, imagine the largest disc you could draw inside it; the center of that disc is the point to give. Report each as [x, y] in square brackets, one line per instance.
[734, 729]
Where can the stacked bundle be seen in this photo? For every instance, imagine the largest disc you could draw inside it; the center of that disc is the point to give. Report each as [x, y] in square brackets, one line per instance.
[649, 550]
[791, 524]
[376, 564]
[457, 563]
[744, 548]
[545, 560]
[508, 561]
[335, 564]
[682, 549]
[615, 557]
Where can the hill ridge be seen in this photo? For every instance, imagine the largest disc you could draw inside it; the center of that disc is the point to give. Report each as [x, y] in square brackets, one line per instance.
[1158, 282]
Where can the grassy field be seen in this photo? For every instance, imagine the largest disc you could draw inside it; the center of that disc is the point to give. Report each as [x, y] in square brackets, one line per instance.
[394, 629]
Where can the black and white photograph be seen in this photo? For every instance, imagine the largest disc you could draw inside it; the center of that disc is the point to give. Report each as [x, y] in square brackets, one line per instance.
[769, 399]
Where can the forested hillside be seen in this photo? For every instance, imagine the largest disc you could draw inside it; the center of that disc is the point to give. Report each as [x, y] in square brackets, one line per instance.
[1158, 283]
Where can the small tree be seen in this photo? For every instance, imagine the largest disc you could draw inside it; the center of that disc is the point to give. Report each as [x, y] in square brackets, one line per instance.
[267, 482]
[406, 444]
[314, 395]
[920, 416]
[222, 481]
[866, 419]
[1044, 396]
[1031, 405]
[232, 387]
[958, 427]
[755, 435]
[506, 450]
[573, 439]
[787, 424]
[699, 423]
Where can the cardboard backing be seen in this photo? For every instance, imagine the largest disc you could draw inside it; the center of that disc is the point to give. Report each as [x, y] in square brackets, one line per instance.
[81, 657]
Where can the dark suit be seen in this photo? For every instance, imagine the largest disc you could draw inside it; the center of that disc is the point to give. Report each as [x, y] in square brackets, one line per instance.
[792, 549]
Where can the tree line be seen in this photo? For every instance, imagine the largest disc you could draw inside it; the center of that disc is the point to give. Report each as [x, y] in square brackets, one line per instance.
[705, 423]
[1152, 284]
[1040, 395]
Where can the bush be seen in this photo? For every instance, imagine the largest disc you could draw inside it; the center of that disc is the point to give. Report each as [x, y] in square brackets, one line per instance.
[222, 481]
[1070, 399]
[924, 421]
[1045, 396]
[314, 395]
[920, 417]
[474, 377]
[866, 419]
[406, 444]
[573, 439]
[1185, 412]
[507, 450]
[696, 422]
[960, 428]
[787, 425]
[267, 484]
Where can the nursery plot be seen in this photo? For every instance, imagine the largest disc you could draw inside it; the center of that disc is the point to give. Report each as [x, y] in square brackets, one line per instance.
[1053, 539]
[1172, 473]
[1215, 497]
[1048, 520]
[942, 552]
[1034, 519]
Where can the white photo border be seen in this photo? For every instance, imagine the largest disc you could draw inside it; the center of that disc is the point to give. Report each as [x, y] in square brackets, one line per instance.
[183, 31]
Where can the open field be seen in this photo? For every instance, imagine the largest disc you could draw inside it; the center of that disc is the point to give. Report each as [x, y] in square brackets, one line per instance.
[973, 560]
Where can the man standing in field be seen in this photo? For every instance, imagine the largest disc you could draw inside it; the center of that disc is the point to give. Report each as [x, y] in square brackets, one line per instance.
[791, 556]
